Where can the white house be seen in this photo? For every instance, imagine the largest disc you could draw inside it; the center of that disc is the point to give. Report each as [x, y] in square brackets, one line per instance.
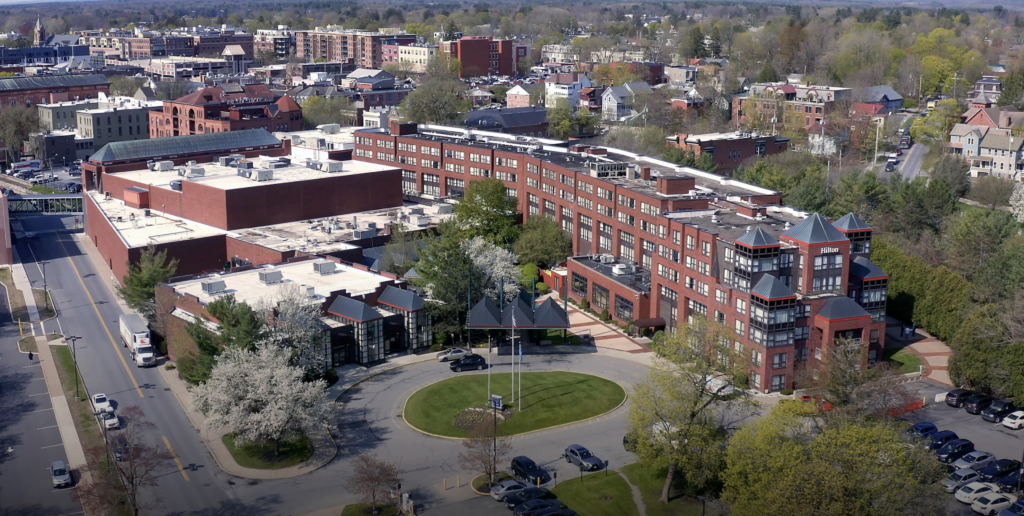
[565, 86]
[617, 101]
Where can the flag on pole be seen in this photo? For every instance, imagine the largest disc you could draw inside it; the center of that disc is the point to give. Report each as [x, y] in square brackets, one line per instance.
[513, 318]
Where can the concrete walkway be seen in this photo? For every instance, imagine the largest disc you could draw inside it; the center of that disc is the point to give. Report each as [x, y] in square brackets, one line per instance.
[324, 447]
[637, 499]
[602, 334]
[61, 410]
[933, 352]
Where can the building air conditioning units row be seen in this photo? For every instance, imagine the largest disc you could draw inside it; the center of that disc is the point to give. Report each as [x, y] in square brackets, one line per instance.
[193, 171]
[261, 174]
[213, 287]
[331, 166]
[160, 166]
[419, 220]
[324, 267]
[271, 277]
[607, 258]
[244, 163]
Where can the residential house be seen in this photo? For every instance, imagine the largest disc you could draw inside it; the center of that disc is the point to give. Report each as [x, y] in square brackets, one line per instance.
[965, 140]
[988, 86]
[559, 54]
[565, 86]
[481, 97]
[682, 75]
[1000, 156]
[617, 101]
[886, 98]
[525, 121]
[996, 117]
[517, 97]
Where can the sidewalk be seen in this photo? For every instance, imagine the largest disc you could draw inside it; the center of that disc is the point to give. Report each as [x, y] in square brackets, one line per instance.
[324, 447]
[61, 409]
[933, 352]
[603, 335]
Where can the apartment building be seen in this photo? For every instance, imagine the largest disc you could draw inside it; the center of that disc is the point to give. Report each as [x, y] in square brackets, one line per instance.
[728, 150]
[364, 48]
[657, 244]
[484, 55]
[280, 41]
[410, 57]
[229, 107]
[787, 105]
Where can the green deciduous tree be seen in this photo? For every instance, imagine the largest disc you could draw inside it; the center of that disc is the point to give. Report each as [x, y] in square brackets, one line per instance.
[688, 158]
[860, 192]
[1002, 274]
[436, 101]
[17, 122]
[972, 239]
[322, 110]
[946, 297]
[543, 242]
[139, 288]
[487, 211]
[400, 253]
[679, 418]
[992, 191]
[447, 272]
[239, 326]
[768, 74]
[954, 171]
[908, 276]
[936, 125]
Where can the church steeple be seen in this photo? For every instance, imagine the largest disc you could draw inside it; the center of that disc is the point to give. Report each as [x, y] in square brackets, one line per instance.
[40, 33]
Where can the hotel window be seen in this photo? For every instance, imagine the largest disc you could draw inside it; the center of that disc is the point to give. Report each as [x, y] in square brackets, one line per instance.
[778, 382]
[600, 297]
[727, 277]
[705, 248]
[691, 263]
[721, 296]
[741, 327]
[779, 360]
[697, 308]
[741, 306]
[828, 283]
[828, 261]
[675, 237]
[755, 357]
[579, 285]
[705, 269]
[663, 251]
[532, 168]
[586, 203]
[702, 288]
[691, 242]
[605, 242]
[689, 283]
[729, 254]
[532, 183]
[785, 261]
[586, 234]
[549, 206]
[511, 193]
[623, 308]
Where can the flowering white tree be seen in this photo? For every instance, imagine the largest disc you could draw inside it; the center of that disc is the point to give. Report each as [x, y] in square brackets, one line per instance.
[293, 321]
[261, 397]
[1017, 203]
[495, 264]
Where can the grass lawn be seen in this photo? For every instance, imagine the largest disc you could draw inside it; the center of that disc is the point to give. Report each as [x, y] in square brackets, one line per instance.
[44, 304]
[18, 310]
[481, 484]
[650, 481]
[363, 509]
[598, 494]
[27, 344]
[85, 420]
[909, 361]
[261, 455]
[549, 399]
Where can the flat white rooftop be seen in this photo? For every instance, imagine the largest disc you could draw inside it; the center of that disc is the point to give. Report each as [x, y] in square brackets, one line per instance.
[227, 178]
[138, 230]
[247, 287]
[332, 234]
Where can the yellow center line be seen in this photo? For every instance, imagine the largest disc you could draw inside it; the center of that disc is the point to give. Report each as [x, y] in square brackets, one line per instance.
[100, 317]
[175, 455]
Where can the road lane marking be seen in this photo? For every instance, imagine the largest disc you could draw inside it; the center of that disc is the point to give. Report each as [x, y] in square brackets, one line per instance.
[45, 427]
[175, 455]
[102, 321]
[51, 446]
[41, 410]
[40, 394]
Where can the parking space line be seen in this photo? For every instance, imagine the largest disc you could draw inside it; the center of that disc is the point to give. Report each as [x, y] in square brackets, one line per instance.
[46, 427]
[40, 394]
[41, 410]
[52, 446]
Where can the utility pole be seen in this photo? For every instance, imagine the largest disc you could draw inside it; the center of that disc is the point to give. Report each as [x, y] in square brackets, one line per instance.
[73, 338]
[878, 127]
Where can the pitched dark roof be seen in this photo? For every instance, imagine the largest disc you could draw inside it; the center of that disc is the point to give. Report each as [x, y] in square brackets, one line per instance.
[191, 144]
[37, 82]
[866, 269]
[507, 117]
[411, 273]
[353, 310]
[485, 314]
[815, 229]
[771, 288]
[841, 307]
[851, 222]
[757, 237]
[522, 311]
[550, 314]
[875, 94]
[404, 299]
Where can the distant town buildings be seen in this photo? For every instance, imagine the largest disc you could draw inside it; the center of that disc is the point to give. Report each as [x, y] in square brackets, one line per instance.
[565, 86]
[76, 129]
[363, 48]
[786, 105]
[279, 41]
[225, 108]
[729, 150]
[484, 55]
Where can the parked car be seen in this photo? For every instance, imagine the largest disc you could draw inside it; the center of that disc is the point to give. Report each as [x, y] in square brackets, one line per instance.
[1014, 420]
[536, 506]
[477, 362]
[60, 474]
[100, 403]
[523, 468]
[452, 354]
[503, 489]
[75, 172]
[582, 458]
[922, 429]
[999, 469]
[939, 439]
[959, 478]
[1010, 483]
[971, 492]
[1016, 509]
[953, 450]
[975, 404]
[120, 447]
[992, 503]
[530, 493]
[998, 410]
[554, 511]
[957, 397]
[975, 460]
[110, 420]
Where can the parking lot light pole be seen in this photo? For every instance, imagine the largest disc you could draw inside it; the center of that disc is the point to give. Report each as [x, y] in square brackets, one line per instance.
[73, 338]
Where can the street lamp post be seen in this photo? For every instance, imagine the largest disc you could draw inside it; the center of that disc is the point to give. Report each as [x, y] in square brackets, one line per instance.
[73, 338]
[46, 293]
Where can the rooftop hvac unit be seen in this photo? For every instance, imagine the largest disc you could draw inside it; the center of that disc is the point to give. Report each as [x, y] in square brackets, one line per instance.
[176, 185]
[360, 234]
[106, 196]
[315, 165]
[151, 165]
[371, 225]
[420, 220]
[310, 292]
[619, 269]
[325, 267]
[236, 157]
[332, 166]
[246, 173]
[262, 174]
[227, 161]
[195, 172]
[212, 287]
[191, 163]
[296, 140]
[271, 277]
[416, 211]
[163, 166]
[276, 164]
[445, 209]
[285, 161]
[244, 163]
[607, 258]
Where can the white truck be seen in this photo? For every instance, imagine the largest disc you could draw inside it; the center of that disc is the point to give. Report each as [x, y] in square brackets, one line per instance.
[135, 337]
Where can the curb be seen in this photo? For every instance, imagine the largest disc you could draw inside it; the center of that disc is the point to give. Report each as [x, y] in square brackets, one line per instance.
[474, 489]
[378, 373]
[625, 396]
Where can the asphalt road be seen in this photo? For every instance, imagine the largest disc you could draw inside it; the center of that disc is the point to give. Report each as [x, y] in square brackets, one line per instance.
[28, 428]
[87, 309]
[913, 158]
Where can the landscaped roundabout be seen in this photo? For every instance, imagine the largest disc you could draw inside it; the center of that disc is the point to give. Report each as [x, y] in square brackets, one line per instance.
[452, 407]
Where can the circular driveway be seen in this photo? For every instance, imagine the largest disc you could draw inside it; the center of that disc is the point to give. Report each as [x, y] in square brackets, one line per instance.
[370, 421]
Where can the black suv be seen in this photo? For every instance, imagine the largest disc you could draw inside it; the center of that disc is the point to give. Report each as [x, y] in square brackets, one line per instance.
[523, 468]
[956, 397]
[468, 362]
[998, 469]
[998, 410]
[953, 450]
[975, 404]
[939, 439]
[525, 495]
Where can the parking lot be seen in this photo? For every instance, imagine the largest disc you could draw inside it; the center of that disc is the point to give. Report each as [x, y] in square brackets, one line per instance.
[62, 178]
[990, 437]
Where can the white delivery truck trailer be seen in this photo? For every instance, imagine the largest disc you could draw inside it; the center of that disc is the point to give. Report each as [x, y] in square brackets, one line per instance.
[135, 336]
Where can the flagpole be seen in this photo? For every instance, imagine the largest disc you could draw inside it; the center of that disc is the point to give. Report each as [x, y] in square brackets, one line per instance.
[520, 399]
